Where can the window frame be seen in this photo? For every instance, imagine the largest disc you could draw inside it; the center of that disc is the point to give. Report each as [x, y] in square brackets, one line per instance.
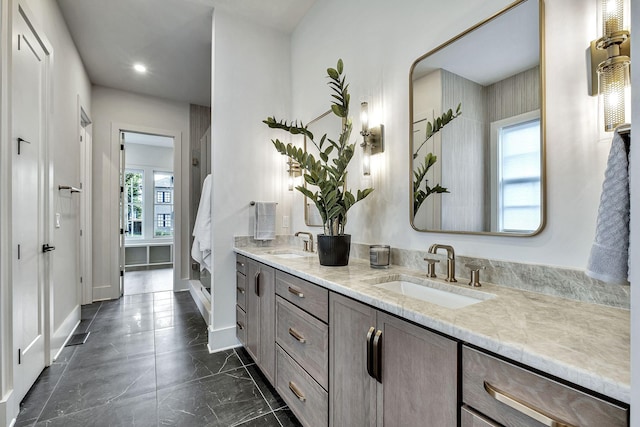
[130, 205]
[156, 204]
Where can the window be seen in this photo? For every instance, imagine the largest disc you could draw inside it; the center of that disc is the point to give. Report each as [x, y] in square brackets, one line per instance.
[163, 197]
[164, 221]
[134, 184]
[516, 160]
[163, 207]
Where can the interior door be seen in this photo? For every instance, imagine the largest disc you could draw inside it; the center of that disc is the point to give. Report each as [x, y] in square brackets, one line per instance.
[123, 215]
[29, 175]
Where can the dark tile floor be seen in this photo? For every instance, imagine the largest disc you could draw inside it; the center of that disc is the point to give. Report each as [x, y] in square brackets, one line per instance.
[146, 363]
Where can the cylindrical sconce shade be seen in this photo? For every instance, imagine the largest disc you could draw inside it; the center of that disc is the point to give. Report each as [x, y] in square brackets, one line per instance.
[366, 159]
[612, 80]
[612, 17]
[364, 116]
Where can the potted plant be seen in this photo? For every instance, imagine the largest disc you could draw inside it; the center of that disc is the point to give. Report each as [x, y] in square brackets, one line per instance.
[328, 173]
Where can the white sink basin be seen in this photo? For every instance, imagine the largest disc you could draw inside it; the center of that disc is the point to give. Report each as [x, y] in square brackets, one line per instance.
[444, 295]
[290, 254]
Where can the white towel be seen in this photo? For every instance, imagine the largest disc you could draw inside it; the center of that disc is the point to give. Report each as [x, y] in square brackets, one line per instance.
[609, 259]
[201, 249]
[265, 221]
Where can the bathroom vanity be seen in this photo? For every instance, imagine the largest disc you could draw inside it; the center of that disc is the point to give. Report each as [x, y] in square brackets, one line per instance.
[344, 350]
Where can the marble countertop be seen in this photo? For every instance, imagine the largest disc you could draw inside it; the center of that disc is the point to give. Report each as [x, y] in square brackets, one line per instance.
[586, 344]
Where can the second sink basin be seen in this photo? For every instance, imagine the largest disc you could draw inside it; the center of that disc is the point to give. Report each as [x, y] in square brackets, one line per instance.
[444, 295]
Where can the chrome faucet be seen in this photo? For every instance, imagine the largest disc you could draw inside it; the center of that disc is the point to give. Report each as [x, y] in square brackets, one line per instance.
[451, 260]
[308, 244]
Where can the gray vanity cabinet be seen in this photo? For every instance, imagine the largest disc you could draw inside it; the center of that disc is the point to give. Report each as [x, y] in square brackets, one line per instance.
[260, 316]
[386, 371]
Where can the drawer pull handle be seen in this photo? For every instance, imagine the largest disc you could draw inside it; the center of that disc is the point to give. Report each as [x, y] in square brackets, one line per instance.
[298, 393]
[524, 408]
[377, 356]
[295, 334]
[370, 334]
[296, 292]
[240, 290]
[240, 325]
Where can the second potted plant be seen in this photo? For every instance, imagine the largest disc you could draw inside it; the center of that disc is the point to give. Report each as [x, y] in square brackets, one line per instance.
[328, 173]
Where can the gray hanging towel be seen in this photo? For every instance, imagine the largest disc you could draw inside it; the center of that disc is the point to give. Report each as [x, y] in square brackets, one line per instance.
[609, 259]
[265, 221]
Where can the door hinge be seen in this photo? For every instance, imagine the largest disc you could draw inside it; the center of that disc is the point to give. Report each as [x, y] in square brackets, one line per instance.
[121, 231]
[81, 232]
[80, 138]
[80, 279]
[121, 147]
[121, 273]
[121, 189]
[19, 356]
[18, 251]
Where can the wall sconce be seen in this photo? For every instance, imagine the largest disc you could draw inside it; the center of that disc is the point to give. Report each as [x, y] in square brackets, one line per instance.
[294, 171]
[610, 61]
[372, 138]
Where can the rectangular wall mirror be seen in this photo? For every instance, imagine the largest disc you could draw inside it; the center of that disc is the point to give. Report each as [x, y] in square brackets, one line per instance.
[479, 168]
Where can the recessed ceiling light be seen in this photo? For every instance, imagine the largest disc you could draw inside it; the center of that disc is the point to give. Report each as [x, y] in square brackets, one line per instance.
[140, 68]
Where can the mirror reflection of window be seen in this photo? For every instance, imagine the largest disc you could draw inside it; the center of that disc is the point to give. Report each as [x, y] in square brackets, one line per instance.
[516, 196]
[163, 207]
[134, 187]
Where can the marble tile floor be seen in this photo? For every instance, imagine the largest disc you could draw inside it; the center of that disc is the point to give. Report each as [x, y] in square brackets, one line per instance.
[146, 363]
[146, 281]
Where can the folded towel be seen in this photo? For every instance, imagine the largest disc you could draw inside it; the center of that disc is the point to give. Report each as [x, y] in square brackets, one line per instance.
[265, 221]
[609, 258]
[201, 249]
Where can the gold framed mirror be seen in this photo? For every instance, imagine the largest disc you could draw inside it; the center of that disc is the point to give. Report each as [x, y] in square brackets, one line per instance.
[477, 128]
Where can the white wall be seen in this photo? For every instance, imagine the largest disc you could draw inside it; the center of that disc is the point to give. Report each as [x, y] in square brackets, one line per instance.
[251, 80]
[113, 109]
[70, 81]
[378, 41]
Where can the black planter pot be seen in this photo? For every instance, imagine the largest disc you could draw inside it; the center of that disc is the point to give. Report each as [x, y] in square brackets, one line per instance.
[333, 251]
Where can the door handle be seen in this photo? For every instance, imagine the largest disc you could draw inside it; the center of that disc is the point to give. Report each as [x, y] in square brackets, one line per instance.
[48, 248]
[21, 140]
[377, 356]
[372, 330]
[257, 283]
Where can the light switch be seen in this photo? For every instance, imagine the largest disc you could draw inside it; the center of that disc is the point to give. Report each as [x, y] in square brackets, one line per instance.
[285, 221]
[57, 220]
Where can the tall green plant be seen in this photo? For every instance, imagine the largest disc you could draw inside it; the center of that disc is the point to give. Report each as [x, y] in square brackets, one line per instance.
[329, 172]
[433, 127]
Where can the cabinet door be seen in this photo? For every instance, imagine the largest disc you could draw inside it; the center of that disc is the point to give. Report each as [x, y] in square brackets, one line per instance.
[419, 376]
[352, 399]
[267, 321]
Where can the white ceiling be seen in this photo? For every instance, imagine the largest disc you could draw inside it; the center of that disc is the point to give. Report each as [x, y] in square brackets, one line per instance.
[171, 37]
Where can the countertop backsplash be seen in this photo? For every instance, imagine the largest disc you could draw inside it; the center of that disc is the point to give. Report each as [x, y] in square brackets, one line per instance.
[549, 280]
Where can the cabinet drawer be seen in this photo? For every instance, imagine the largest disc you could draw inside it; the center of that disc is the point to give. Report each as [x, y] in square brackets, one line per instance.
[489, 384]
[308, 401]
[305, 338]
[241, 264]
[241, 325]
[311, 298]
[241, 290]
[470, 418]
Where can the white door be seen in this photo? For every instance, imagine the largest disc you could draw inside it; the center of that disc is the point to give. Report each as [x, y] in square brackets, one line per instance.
[123, 217]
[28, 204]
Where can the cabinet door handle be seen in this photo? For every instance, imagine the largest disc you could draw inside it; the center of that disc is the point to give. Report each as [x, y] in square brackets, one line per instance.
[239, 264]
[295, 334]
[240, 289]
[297, 392]
[372, 330]
[240, 325]
[257, 283]
[524, 407]
[296, 292]
[377, 356]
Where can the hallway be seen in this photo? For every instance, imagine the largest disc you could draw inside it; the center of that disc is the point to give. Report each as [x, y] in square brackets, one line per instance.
[146, 363]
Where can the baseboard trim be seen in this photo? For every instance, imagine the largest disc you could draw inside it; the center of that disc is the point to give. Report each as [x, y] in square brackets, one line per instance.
[9, 410]
[222, 339]
[201, 300]
[64, 332]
